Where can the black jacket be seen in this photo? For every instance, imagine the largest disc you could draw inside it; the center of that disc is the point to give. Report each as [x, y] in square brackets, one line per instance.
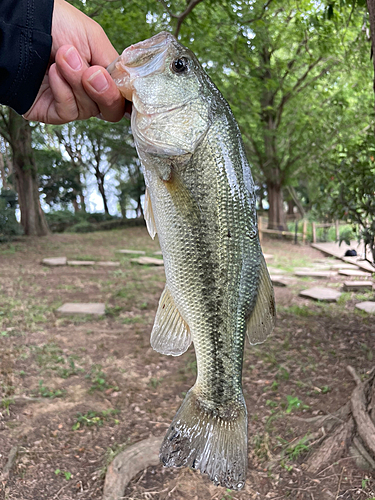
[25, 48]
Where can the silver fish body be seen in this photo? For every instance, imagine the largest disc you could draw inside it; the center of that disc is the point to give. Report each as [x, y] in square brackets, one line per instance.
[201, 202]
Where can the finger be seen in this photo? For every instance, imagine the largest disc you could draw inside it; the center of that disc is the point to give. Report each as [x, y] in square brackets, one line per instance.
[64, 106]
[102, 50]
[71, 66]
[102, 89]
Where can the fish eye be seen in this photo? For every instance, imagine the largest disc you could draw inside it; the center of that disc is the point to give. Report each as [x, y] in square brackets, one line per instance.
[180, 65]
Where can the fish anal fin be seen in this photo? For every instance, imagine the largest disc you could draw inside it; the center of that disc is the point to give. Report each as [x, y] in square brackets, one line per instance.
[170, 334]
[149, 215]
[262, 320]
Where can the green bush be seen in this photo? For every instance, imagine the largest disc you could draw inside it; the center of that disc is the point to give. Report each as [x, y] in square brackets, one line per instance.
[9, 227]
[81, 227]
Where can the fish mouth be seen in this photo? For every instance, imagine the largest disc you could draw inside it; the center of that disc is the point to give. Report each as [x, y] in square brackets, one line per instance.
[139, 60]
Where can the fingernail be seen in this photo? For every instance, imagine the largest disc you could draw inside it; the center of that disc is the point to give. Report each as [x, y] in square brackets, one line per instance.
[73, 58]
[98, 81]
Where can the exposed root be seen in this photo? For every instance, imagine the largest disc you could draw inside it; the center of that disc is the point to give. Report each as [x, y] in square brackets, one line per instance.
[356, 431]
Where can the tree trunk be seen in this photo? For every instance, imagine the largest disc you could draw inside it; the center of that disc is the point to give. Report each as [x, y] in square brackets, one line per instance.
[350, 431]
[100, 179]
[3, 176]
[371, 11]
[75, 205]
[290, 207]
[276, 215]
[32, 216]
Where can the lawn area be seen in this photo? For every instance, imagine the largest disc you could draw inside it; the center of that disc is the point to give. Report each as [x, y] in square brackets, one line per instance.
[75, 391]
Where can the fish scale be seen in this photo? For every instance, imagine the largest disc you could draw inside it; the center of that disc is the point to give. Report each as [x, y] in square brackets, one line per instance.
[201, 202]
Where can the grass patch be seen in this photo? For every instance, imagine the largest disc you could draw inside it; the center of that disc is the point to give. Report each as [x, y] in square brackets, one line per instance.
[94, 418]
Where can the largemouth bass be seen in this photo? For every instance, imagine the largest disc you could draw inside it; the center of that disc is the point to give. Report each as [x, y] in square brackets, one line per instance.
[200, 201]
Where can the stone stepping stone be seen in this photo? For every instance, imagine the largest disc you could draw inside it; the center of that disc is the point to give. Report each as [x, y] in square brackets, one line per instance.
[131, 252]
[274, 270]
[159, 252]
[279, 280]
[107, 263]
[313, 269]
[321, 293]
[316, 274]
[81, 262]
[354, 272]
[345, 266]
[368, 307]
[268, 256]
[94, 308]
[363, 264]
[54, 261]
[357, 286]
[148, 261]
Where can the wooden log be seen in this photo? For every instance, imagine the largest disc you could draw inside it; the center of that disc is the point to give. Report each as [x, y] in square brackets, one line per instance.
[314, 232]
[127, 464]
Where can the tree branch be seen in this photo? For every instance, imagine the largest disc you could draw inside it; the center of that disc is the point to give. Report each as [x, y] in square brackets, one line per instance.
[180, 17]
[265, 6]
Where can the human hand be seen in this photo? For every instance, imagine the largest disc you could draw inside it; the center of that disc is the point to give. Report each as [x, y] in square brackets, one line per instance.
[76, 85]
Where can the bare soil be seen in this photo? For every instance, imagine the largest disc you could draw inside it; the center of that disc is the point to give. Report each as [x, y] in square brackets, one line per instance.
[74, 391]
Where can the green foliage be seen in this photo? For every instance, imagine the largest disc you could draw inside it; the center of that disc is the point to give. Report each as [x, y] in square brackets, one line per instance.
[82, 227]
[94, 418]
[301, 447]
[294, 403]
[45, 392]
[98, 379]
[349, 187]
[9, 226]
[67, 475]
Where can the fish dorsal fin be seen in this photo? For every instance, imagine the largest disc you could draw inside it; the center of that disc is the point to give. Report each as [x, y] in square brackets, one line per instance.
[170, 334]
[262, 320]
[149, 215]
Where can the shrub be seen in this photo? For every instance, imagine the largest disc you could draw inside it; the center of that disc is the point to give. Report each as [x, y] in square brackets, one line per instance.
[81, 227]
[9, 227]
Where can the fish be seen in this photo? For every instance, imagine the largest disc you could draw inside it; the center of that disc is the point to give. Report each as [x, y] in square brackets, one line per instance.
[200, 201]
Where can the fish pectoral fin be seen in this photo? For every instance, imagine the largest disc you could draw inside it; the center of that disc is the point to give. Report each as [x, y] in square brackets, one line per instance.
[149, 215]
[170, 334]
[262, 320]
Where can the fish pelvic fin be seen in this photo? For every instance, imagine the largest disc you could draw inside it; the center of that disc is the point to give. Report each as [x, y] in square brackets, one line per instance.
[215, 442]
[262, 320]
[149, 215]
[170, 333]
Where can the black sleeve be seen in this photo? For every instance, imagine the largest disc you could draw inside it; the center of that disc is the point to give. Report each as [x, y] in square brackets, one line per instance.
[25, 48]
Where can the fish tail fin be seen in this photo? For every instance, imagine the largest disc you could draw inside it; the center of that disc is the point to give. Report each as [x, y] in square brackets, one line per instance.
[211, 441]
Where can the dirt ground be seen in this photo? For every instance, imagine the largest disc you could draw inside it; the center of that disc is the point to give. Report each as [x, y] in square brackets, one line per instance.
[74, 392]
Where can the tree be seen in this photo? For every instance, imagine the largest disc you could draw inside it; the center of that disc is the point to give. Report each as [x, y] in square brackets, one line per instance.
[279, 66]
[17, 132]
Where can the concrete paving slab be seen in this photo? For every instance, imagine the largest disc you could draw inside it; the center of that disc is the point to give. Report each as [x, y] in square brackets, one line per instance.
[363, 264]
[81, 262]
[313, 269]
[344, 266]
[316, 274]
[357, 286]
[126, 251]
[275, 270]
[54, 261]
[279, 280]
[368, 307]
[107, 263]
[94, 308]
[150, 261]
[354, 272]
[321, 293]
[268, 256]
